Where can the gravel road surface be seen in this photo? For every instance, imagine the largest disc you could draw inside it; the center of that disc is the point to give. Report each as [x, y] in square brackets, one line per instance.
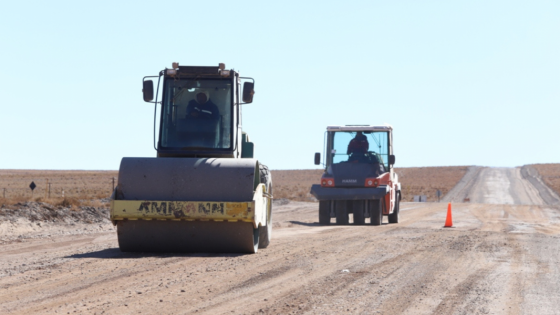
[502, 185]
[498, 259]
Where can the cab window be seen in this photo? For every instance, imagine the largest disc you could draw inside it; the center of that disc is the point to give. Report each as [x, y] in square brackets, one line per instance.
[197, 114]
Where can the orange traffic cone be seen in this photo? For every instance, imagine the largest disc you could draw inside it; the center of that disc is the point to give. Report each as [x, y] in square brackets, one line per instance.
[449, 220]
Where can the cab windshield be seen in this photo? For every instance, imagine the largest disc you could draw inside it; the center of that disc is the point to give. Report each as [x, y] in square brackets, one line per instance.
[368, 147]
[197, 114]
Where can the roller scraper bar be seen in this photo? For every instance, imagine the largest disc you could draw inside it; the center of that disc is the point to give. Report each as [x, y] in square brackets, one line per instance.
[183, 210]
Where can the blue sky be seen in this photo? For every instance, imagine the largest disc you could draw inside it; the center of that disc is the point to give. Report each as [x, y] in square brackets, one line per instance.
[462, 82]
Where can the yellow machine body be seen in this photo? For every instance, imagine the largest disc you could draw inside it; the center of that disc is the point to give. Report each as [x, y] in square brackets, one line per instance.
[253, 211]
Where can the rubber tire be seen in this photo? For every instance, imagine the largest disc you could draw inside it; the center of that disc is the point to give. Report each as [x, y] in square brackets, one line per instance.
[394, 217]
[341, 210]
[359, 212]
[376, 211]
[265, 232]
[325, 212]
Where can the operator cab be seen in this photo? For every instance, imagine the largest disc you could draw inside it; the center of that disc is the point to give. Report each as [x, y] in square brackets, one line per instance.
[354, 153]
[197, 114]
[200, 113]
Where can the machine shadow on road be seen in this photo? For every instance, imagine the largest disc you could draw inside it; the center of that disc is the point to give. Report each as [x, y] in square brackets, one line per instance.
[115, 253]
[305, 223]
[319, 225]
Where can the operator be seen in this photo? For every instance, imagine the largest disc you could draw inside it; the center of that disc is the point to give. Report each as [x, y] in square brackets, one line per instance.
[202, 107]
[358, 151]
[358, 148]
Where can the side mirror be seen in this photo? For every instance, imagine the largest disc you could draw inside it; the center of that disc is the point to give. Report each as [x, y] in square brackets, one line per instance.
[391, 159]
[317, 158]
[148, 90]
[248, 92]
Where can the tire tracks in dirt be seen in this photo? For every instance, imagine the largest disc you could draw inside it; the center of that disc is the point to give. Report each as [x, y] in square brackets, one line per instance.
[497, 257]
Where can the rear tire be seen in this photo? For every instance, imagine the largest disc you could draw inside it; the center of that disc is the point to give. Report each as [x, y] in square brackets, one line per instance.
[359, 212]
[341, 212]
[325, 212]
[265, 232]
[394, 217]
[376, 211]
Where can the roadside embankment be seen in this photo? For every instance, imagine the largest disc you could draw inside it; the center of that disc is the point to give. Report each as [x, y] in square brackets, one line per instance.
[546, 179]
[39, 219]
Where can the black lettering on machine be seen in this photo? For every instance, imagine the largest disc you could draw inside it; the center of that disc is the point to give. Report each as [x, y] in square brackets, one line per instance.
[218, 208]
[159, 209]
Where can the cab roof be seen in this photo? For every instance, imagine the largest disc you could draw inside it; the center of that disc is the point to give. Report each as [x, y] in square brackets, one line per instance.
[360, 128]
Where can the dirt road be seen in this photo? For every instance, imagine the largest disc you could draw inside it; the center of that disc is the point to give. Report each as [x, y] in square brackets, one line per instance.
[499, 259]
[502, 185]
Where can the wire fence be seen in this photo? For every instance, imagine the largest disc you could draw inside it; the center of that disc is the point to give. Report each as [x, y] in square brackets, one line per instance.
[15, 185]
[54, 191]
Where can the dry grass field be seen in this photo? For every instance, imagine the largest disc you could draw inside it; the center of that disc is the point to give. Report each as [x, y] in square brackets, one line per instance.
[295, 184]
[85, 187]
[79, 187]
[550, 174]
[427, 180]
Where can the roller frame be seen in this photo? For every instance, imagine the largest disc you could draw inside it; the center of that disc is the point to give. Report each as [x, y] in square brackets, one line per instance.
[254, 211]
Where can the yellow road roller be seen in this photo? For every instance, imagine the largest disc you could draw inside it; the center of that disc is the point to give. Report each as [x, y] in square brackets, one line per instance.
[204, 191]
